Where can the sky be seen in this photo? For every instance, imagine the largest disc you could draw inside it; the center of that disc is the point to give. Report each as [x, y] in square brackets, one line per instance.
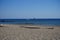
[16, 9]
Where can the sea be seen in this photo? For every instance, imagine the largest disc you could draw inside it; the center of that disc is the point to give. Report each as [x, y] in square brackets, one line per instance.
[31, 21]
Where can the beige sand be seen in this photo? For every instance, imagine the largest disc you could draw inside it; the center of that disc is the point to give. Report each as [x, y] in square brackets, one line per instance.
[29, 32]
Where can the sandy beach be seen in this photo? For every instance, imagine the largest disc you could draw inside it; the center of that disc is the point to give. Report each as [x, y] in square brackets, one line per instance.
[29, 32]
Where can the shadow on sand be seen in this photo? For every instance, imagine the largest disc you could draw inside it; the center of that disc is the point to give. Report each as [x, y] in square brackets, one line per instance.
[36, 27]
[1, 26]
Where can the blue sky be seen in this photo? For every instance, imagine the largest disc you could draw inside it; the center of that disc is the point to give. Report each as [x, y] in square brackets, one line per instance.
[29, 9]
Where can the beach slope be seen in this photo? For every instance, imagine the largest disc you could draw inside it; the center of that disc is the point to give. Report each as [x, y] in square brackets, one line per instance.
[29, 32]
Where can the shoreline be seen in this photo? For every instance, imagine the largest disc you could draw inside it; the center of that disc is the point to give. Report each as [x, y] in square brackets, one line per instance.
[32, 25]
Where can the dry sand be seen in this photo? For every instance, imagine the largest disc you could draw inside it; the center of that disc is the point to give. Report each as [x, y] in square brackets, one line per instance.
[29, 32]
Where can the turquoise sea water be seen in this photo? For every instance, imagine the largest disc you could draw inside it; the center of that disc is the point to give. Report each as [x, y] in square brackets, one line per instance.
[31, 21]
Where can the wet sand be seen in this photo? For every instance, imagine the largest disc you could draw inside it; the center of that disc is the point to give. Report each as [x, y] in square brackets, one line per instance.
[29, 32]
